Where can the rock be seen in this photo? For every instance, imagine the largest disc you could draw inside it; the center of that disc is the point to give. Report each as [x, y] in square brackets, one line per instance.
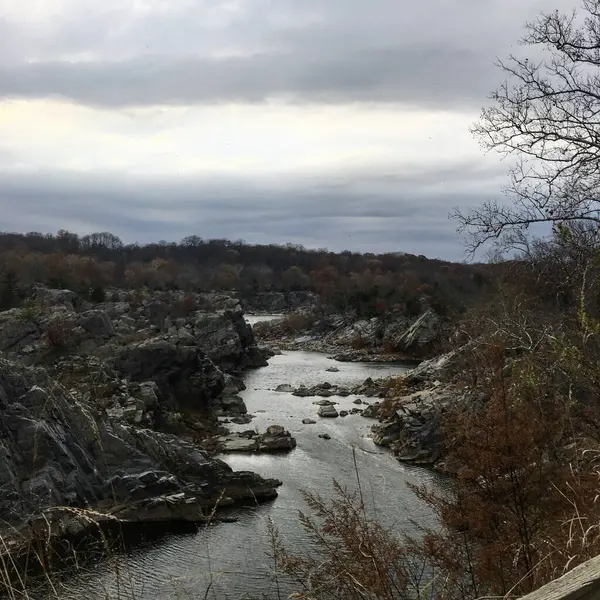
[302, 392]
[275, 439]
[343, 413]
[95, 444]
[48, 297]
[332, 370]
[324, 403]
[149, 393]
[97, 324]
[230, 405]
[233, 385]
[327, 411]
[357, 401]
[275, 430]
[184, 374]
[240, 444]
[242, 419]
[308, 422]
[325, 436]
[422, 333]
[372, 411]
[15, 331]
[284, 387]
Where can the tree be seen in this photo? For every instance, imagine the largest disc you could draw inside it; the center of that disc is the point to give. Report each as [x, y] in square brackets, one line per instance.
[98, 294]
[8, 293]
[547, 115]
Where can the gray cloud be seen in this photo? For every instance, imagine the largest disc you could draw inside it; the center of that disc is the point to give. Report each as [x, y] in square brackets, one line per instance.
[435, 53]
[401, 216]
[418, 75]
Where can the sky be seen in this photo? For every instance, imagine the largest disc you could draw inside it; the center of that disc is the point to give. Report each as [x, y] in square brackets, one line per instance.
[328, 123]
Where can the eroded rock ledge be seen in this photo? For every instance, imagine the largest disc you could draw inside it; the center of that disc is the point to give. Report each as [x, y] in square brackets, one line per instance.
[111, 406]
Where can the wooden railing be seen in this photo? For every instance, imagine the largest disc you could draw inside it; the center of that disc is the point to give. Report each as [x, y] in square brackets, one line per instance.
[581, 583]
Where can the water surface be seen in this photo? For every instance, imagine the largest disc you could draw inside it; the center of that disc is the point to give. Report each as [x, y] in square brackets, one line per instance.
[231, 557]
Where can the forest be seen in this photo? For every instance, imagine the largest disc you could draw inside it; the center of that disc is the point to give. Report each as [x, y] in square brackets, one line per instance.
[368, 284]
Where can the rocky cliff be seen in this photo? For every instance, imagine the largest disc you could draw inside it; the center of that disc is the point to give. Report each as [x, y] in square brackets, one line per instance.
[411, 415]
[348, 338]
[106, 405]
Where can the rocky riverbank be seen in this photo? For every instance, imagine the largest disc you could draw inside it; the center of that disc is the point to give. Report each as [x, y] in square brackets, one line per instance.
[386, 338]
[410, 408]
[410, 418]
[111, 406]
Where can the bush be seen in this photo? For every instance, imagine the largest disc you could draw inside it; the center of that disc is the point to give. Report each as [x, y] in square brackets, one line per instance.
[189, 304]
[97, 295]
[352, 556]
[31, 310]
[59, 334]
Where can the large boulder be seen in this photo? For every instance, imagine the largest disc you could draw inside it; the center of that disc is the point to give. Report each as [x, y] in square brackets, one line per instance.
[275, 439]
[327, 411]
[97, 324]
[421, 334]
[184, 374]
[17, 331]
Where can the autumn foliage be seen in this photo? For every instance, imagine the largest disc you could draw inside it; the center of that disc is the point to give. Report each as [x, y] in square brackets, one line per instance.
[367, 284]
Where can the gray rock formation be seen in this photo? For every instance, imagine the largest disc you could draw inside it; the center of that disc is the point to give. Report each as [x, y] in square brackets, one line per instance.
[327, 411]
[390, 336]
[412, 424]
[275, 439]
[88, 396]
[53, 452]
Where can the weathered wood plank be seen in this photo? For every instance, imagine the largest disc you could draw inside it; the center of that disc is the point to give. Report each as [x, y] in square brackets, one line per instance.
[581, 583]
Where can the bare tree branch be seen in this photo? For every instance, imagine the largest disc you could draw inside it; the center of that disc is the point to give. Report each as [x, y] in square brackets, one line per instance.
[547, 114]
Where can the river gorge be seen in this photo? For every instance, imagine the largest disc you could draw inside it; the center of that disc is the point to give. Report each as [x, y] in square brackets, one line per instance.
[230, 559]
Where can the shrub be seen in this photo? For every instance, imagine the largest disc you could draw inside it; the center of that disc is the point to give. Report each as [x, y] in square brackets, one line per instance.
[97, 295]
[353, 557]
[59, 334]
[189, 304]
[31, 310]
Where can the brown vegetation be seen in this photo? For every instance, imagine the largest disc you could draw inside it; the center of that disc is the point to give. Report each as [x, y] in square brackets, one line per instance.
[368, 284]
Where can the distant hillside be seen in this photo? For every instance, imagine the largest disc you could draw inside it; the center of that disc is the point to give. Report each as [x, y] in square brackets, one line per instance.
[366, 283]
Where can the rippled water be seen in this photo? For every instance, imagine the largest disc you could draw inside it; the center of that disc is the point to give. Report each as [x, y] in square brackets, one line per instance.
[233, 555]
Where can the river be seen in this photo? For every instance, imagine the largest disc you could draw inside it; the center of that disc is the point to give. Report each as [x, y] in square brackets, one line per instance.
[233, 555]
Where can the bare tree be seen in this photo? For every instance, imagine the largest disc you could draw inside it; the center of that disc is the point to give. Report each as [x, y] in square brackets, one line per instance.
[547, 114]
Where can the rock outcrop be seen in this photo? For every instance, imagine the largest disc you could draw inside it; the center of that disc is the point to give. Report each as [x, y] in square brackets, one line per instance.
[278, 302]
[390, 336]
[55, 452]
[275, 439]
[369, 388]
[103, 405]
[411, 414]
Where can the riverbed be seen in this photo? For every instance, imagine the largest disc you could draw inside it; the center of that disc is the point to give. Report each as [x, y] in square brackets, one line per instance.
[231, 558]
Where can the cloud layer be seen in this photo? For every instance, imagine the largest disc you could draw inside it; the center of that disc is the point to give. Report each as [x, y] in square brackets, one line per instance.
[402, 214]
[338, 123]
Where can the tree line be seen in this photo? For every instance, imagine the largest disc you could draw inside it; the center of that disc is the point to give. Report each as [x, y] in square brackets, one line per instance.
[368, 284]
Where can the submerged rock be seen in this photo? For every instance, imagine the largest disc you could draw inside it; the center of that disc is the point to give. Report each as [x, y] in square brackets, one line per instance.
[284, 387]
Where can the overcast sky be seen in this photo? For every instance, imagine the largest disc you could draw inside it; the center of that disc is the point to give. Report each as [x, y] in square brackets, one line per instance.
[328, 123]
